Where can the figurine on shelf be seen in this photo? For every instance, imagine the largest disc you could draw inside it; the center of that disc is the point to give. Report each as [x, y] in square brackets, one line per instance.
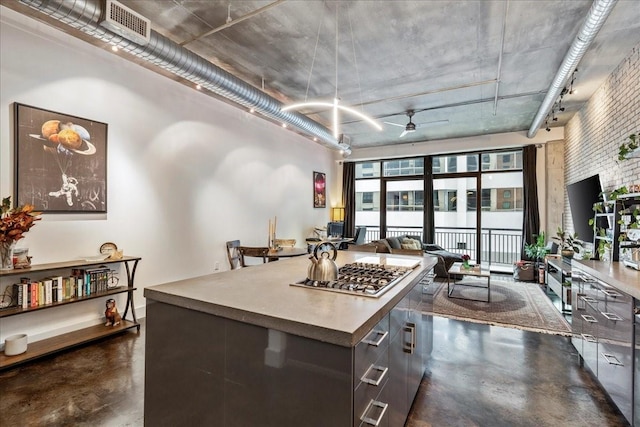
[111, 313]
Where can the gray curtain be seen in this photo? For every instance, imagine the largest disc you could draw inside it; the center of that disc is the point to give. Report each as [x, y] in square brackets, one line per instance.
[429, 222]
[349, 197]
[531, 213]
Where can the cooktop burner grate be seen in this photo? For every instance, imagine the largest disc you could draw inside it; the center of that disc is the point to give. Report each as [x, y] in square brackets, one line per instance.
[358, 278]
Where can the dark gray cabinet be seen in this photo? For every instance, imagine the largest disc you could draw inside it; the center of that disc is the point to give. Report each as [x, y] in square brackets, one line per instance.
[559, 280]
[603, 334]
[636, 377]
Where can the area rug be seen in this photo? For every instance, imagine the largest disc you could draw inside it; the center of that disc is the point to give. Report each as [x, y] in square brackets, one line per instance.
[520, 305]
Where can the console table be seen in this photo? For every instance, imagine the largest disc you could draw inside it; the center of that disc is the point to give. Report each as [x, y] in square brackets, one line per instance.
[71, 339]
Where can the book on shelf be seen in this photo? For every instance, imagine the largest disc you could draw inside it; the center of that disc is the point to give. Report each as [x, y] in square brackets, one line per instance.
[35, 287]
[54, 289]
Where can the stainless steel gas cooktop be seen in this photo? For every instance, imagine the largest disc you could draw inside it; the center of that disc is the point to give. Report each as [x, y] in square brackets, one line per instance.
[364, 278]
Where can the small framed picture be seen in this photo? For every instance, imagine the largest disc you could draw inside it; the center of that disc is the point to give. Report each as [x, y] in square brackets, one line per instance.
[319, 190]
[61, 161]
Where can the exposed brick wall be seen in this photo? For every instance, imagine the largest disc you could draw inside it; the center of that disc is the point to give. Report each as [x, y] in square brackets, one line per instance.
[593, 135]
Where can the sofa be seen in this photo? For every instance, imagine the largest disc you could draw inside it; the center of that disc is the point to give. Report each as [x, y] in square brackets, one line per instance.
[407, 241]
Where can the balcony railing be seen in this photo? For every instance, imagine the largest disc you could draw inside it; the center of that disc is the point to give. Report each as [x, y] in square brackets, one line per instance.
[500, 247]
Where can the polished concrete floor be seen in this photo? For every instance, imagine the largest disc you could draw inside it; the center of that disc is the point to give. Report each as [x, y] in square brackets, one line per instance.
[477, 375]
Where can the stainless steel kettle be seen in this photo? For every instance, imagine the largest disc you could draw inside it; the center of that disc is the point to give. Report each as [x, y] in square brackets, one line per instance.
[323, 263]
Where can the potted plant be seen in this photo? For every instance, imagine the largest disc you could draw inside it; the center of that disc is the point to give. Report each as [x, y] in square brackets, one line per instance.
[569, 243]
[626, 150]
[537, 250]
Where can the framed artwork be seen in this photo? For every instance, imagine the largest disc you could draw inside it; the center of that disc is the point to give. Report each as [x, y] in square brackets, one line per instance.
[319, 190]
[60, 161]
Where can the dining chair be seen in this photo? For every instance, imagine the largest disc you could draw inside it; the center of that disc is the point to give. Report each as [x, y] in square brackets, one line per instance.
[253, 251]
[233, 254]
[284, 243]
[416, 252]
[358, 238]
[362, 248]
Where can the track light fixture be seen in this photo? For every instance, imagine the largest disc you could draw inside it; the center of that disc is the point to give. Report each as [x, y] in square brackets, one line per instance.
[573, 79]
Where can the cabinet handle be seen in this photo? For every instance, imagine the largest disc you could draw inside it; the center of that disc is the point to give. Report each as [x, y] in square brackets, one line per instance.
[589, 338]
[372, 381]
[371, 404]
[611, 294]
[589, 318]
[377, 343]
[611, 359]
[410, 346]
[611, 316]
[590, 300]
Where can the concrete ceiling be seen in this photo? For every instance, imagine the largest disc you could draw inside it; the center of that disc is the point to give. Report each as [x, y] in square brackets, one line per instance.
[472, 67]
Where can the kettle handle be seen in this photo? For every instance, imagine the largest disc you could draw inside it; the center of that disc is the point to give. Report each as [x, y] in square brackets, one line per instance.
[326, 247]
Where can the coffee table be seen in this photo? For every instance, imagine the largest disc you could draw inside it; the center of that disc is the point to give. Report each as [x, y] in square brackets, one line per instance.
[475, 271]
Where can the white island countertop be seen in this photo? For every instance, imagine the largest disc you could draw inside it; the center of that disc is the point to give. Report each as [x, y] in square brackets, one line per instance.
[262, 295]
[616, 274]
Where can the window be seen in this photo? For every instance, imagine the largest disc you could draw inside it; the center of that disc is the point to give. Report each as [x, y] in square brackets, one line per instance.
[368, 170]
[445, 200]
[367, 201]
[452, 164]
[471, 200]
[452, 200]
[486, 199]
[472, 163]
[403, 167]
[505, 200]
[436, 165]
[502, 161]
[405, 200]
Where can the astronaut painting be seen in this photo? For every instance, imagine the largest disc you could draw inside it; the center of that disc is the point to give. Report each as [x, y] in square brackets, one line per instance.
[61, 161]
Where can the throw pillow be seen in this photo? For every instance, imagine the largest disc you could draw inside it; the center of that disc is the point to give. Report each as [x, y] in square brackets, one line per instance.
[394, 242]
[408, 243]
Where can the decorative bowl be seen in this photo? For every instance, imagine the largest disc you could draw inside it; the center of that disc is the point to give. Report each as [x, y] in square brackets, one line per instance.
[15, 344]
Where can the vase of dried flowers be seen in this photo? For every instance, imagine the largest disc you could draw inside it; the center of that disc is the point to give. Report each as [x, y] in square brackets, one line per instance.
[14, 222]
[6, 254]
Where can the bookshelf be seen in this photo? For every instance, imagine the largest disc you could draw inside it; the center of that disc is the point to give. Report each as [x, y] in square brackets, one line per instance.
[622, 207]
[75, 338]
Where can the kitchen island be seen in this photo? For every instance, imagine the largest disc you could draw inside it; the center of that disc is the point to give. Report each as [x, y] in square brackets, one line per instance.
[245, 348]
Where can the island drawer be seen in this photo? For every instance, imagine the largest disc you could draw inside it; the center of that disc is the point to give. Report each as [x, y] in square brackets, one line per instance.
[368, 397]
[372, 346]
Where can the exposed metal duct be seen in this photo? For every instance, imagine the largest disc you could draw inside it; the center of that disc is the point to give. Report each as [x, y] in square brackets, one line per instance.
[85, 15]
[598, 14]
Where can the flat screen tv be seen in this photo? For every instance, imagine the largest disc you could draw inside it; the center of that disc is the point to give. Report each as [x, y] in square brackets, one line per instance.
[582, 195]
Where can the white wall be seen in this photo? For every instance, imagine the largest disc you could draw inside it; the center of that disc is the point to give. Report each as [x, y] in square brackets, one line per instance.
[186, 172]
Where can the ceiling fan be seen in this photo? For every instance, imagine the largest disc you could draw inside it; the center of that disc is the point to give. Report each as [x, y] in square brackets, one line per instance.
[411, 127]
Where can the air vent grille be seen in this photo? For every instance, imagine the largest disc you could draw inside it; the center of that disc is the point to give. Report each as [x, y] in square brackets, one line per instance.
[127, 23]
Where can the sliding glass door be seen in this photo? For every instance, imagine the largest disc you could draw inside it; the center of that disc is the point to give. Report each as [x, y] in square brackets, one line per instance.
[456, 220]
[405, 207]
